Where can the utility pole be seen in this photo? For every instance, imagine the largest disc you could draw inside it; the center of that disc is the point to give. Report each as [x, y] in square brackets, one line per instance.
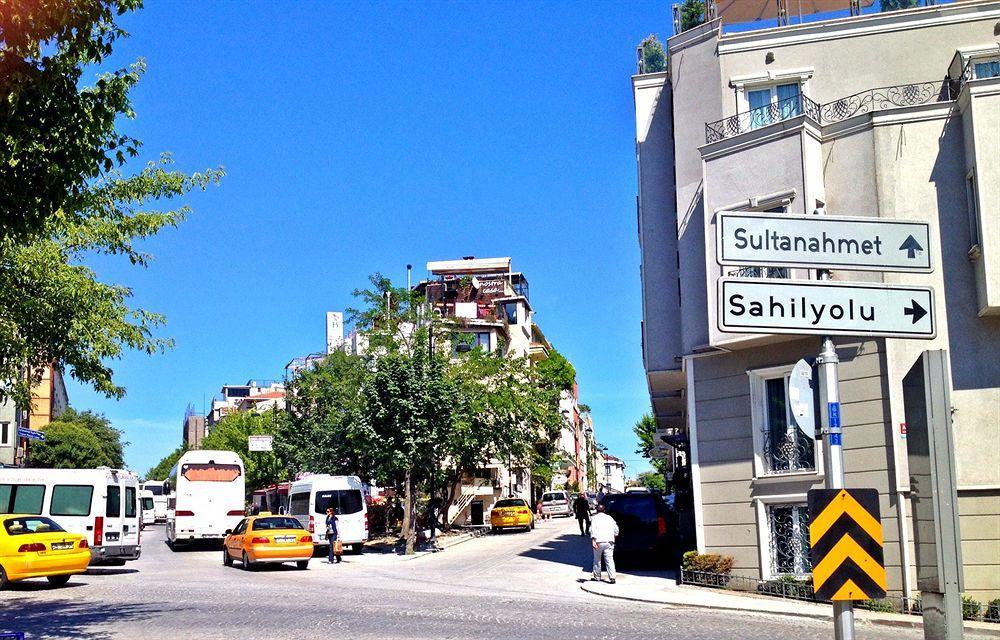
[833, 459]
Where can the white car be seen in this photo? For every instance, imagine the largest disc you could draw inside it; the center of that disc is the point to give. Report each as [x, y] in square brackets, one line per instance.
[556, 503]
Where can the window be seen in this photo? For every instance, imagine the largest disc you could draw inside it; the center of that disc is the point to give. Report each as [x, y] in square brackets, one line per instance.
[130, 495]
[210, 472]
[788, 539]
[155, 489]
[271, 524]
[986, 69]
[780, 446]
[975, 228]
[241, 527]
[147, 504]
[343, 501]
[299, 504]
[71, 500]
[760, 272]
[5, 434]
[464, 342]
[22, 498]
[773, 104]
[21, 526]
[510, 312]
[113, 503]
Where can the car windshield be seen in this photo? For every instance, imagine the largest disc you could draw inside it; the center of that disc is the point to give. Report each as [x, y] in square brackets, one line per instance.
[343, 501]
[147, 503]
[551, 497]
[269, 524]
[510, 503]
[33, 524]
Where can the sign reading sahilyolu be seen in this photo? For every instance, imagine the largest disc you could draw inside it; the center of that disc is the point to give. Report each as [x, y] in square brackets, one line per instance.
[825, 308]
[825, 242]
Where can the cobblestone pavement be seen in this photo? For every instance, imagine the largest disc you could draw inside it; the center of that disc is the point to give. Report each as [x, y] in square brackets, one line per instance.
[518, 585]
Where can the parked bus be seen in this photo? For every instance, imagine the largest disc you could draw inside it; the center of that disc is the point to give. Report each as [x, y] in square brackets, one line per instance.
[102, 504]
[147, 509]
[309, 498]
[160, 499]
[206, 489]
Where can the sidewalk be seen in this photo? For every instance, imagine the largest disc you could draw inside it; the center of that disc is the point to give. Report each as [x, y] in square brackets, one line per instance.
[662, 588]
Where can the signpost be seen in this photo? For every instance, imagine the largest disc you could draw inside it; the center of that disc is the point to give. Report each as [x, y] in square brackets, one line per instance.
[809, 307]
[260, 443]
[826, 308]
[823, 242]
[30, 434]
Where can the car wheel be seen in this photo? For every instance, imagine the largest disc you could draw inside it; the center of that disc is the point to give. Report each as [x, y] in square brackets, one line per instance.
[3, 578]
[227, 560]
[358, 549]
[302, 564]
[58, 581]
[247, 566]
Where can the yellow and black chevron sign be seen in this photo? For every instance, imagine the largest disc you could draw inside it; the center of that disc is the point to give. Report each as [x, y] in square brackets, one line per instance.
[845, 534]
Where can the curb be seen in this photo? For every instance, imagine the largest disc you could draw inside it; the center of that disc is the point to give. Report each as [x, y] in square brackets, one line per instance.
[882, 622]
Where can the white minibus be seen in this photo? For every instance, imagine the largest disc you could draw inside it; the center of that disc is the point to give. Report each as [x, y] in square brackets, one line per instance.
[207, 494]
[102, 504]
[147, 510]
[160, 499]
[309, 498]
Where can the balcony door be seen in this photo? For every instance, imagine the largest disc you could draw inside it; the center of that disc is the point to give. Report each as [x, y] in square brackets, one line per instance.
[774, 103]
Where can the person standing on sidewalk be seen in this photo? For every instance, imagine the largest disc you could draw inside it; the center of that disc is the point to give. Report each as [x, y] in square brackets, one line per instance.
[581, 508]
[336, 548]
[603, 531]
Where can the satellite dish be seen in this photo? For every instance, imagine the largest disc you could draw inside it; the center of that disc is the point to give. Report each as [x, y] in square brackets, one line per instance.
[800, 398]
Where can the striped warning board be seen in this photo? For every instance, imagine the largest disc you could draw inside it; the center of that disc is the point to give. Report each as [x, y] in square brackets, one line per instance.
[845, 534]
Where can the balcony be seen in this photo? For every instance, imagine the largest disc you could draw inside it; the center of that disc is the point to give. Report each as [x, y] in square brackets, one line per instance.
[905, 95]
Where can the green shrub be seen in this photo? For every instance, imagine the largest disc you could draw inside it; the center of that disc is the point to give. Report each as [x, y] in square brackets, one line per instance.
[993, 610]
[707, 562]
[884, 606]
[971, 608]
[653, 58]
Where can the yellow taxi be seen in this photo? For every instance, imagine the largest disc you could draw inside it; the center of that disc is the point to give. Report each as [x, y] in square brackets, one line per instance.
[511, 513]
[268, 538]
[37, 547]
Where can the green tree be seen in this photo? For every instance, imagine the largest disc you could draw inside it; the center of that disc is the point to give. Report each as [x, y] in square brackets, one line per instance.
[557, 372]
[65, 195]
[653, 58]
[645, 430]
[232, 433]
[692, 14]
[69, 445]
[163, 467]
[651, 480]
[895, 5]
[110, 438]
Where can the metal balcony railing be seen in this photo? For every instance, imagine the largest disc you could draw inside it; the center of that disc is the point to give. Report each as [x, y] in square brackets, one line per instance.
[904, 95]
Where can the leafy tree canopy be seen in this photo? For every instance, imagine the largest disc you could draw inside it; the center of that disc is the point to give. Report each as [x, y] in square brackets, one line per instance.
[163, 467]
[692, 14]
[556, 371]
[645, 431]
[109, 437]
[69, 445]
[651, 480]
[232, 434]
[653, 57]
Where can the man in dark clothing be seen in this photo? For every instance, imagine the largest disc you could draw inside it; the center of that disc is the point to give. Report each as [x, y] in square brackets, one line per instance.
[581, 507]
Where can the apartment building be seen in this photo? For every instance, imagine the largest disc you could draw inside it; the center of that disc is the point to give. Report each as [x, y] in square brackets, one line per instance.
[256, 395]
[612, 470]
[889, 115]
[193, 428]
[48, 400]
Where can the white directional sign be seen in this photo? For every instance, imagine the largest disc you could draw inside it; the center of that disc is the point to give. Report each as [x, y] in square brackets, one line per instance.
[825, 308]
[823, 242]
[260, 443]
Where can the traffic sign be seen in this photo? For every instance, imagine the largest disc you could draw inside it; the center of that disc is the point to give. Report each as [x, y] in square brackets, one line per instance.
[30, 434]
[807, 307]
[800, 397]
[845, 540]
[823, 242]
[260, 443]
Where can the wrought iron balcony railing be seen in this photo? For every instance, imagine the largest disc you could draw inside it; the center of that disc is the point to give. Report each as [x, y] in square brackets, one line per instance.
[905, 95]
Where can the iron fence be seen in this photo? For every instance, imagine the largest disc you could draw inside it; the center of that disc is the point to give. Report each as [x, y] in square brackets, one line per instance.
[793, 588]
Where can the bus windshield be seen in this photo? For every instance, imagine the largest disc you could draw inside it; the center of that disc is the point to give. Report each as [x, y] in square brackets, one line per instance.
[210, 472]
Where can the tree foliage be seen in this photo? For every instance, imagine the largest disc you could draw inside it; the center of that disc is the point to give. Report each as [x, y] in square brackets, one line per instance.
[163, 467]
[78, 440]
[692, 14]
[653, 58]
[232, 433]
[651, 480]
[645, 431]
[557, 372]
[65, 195]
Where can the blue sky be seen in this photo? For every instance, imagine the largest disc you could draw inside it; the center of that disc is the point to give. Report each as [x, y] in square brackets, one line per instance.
[362, 138]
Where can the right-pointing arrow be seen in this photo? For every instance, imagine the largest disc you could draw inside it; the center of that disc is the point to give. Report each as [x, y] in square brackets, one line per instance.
[915, 310]
[910, 246]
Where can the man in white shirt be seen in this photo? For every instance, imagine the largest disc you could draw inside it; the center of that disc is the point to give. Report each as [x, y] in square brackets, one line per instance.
[603, 531]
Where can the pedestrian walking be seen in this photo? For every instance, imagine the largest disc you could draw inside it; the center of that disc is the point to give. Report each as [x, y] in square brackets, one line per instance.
[540, 511]
[336, 546]
[603, 531]
[581, 508]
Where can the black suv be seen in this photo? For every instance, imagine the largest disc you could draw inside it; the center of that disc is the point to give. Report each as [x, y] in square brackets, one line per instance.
[647, 527]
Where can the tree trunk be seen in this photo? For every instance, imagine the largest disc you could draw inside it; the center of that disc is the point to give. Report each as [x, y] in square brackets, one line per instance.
[409, 519]
[452, 488]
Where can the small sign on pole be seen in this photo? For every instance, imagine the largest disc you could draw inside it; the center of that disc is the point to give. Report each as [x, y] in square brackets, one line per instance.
[260, 443]
[30, 434]
[845, 536]
[800, 397]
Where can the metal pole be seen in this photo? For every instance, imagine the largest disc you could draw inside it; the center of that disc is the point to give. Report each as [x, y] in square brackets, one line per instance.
[833, 460]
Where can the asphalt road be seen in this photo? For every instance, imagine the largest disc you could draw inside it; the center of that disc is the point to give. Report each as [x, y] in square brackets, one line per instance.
[510, 586]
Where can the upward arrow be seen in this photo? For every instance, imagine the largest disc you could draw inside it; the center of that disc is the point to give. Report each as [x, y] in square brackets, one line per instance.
[910, 246]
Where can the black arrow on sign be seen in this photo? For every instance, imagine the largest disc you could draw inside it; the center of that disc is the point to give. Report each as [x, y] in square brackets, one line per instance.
[915, 310]
[910, 246]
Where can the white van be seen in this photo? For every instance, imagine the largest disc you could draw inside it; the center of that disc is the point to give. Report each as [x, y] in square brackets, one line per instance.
[160, 499]
[311, 496]
[102, 504]
[207, 494]
[147, 509]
